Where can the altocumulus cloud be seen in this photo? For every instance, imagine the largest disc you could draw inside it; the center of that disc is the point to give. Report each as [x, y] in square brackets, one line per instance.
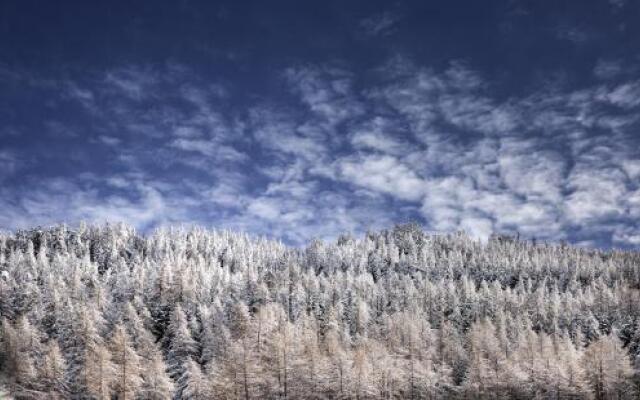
[165, 146]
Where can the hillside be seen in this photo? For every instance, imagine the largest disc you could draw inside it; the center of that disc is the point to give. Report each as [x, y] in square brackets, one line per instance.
[102, 312]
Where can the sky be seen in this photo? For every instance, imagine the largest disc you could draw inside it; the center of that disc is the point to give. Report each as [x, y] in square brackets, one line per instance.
[301, 120]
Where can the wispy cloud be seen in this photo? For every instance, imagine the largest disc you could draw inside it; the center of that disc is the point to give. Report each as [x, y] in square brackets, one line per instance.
[380, 24]
[327, 92]
[9, 163]
[385, 174]
[71, 200]
[618, 4]
[608, 69]
[326, 156]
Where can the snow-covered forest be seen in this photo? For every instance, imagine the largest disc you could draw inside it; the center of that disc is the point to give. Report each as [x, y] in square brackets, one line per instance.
[102, 312]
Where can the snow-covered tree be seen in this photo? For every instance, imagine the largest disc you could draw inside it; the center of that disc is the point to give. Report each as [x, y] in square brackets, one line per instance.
[52, 372]
[608, 368]
[157, 384]
[127, 380]
[102, 312]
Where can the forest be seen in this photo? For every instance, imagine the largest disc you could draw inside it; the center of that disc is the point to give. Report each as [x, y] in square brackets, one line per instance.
[104, 312]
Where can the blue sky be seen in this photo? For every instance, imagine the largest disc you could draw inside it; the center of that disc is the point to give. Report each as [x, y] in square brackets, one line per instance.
[306, 119]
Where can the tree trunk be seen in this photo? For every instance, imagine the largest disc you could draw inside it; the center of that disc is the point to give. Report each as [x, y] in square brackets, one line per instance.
[244, 369]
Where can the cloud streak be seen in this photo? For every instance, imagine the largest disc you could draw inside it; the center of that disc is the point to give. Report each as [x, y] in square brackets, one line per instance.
[327, 155]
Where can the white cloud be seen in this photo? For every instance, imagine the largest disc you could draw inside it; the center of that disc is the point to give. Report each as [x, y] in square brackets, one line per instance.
[626, 95]
[9, 163]
[419, 141]
[631, 168]
[597, 194]
[384, 174]
[530, 171]
[109, 140]
[454, 97]
[541, 164]
[480, 228]
[209, 148]
[277, 131]
[265, 208]
[627, 236]
[378, 134]
[327, 92]
[380, 24]
[572, 34]
[189, 132]
[71, 201]
[134, 82]
[607, 69]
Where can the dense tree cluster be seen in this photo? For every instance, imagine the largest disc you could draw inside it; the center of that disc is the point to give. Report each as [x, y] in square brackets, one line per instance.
[102, 312]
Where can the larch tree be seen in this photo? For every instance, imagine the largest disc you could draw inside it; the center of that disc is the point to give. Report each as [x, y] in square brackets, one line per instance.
[19, 360]
[99, 371]
[89, 361]
[127, 380]
[143, 340]
[52, 372]
[487, 363]
[245, 350]
[572, 374]
[195, 384]
[26, 348]
[337, 354]
[608, 367]
[395, 314]
[181, 345]
[157, 384]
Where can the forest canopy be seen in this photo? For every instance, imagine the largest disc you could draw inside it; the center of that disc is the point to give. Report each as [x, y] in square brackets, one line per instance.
[103, 312]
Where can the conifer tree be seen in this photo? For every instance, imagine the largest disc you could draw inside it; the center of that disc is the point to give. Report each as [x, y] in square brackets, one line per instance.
[52, 372]
[396, 314]
[157, 384]
[194, 383]
[180, 343]
[99, 372]
[127, 380]
[608, 367]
